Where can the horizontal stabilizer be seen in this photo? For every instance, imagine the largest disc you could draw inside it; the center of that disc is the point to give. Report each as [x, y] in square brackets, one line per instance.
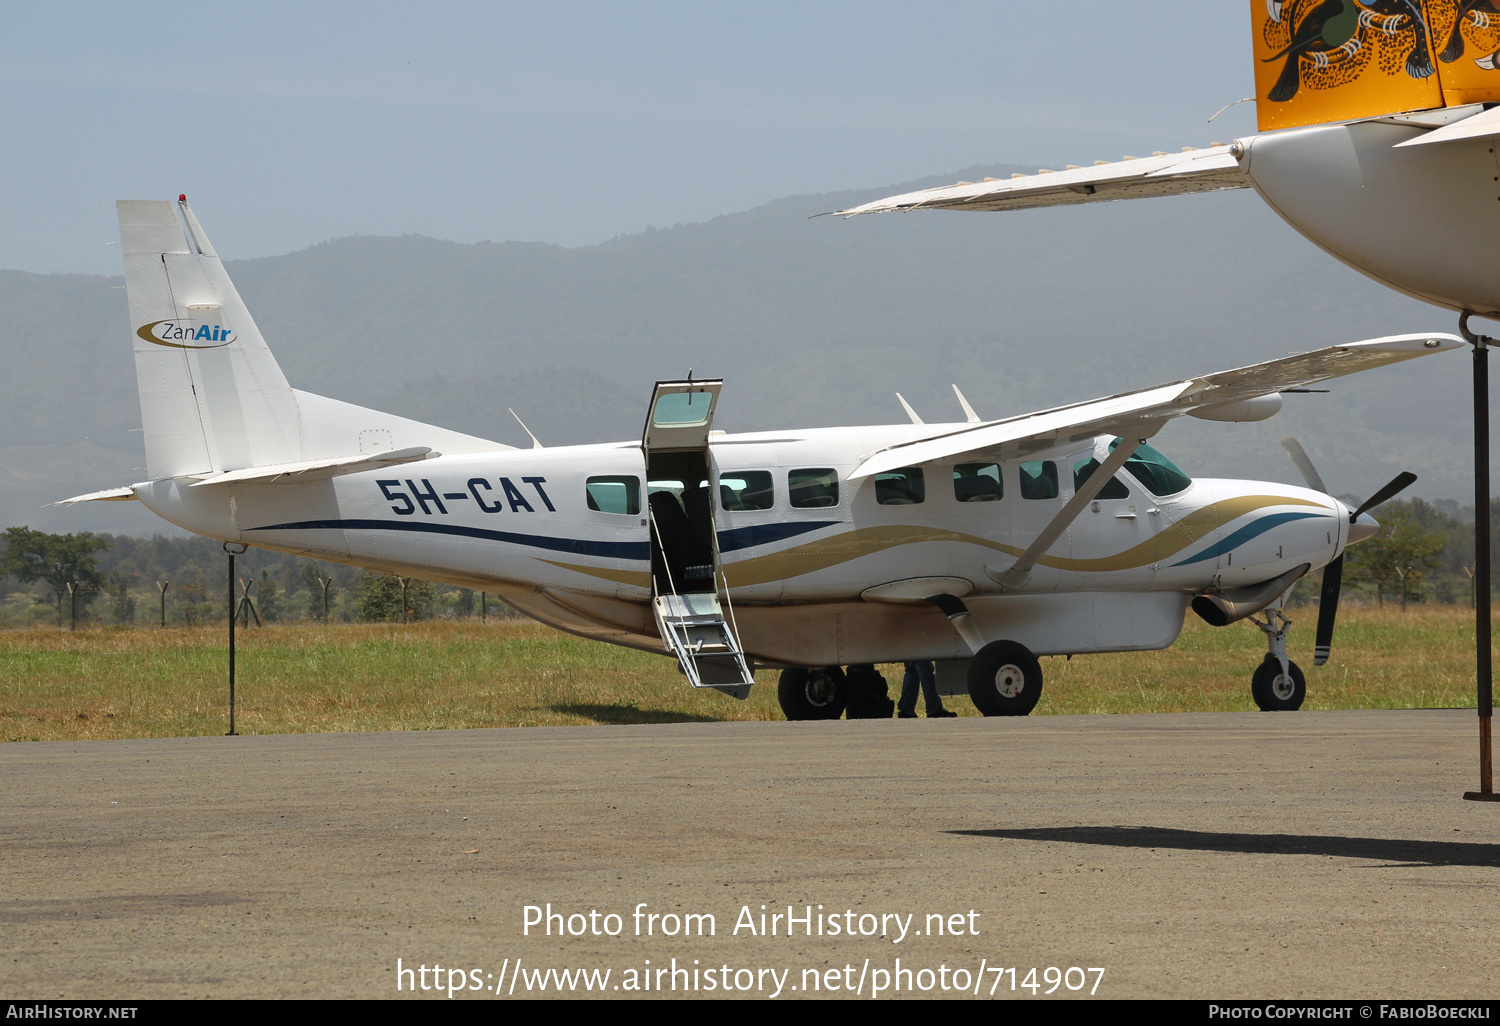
[1167, 174]
[1146, 410]
[124, 494]
[318, 470]
[1477, 126]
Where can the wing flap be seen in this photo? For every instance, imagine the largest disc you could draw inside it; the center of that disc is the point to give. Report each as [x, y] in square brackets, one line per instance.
[1167, 174]
[1146, 410]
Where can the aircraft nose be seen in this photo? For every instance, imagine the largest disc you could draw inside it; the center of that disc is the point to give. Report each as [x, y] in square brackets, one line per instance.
[1365, 527]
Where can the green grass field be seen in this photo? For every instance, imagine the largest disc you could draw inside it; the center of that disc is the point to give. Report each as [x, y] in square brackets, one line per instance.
[120, 683]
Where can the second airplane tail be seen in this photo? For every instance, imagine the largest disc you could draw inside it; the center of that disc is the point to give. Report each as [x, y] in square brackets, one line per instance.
[1318, 61]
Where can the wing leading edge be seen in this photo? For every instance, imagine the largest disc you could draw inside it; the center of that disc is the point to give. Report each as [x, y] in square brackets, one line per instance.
[1163, 174]
[1142, 413]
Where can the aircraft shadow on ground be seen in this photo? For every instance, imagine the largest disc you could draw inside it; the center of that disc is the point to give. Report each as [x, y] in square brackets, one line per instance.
[619, 713]
[1395, 851]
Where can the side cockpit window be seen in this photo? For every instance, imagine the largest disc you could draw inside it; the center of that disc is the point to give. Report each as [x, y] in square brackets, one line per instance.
[814, 488]
[1114, 488]
[1159, 475]
[614, 495]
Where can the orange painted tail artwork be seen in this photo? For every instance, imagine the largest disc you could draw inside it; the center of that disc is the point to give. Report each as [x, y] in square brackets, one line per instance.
[1318, 61]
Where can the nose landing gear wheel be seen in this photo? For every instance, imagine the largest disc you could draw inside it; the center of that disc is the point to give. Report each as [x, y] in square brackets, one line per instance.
[1005, 679]
[813, 693]
[1274, 691]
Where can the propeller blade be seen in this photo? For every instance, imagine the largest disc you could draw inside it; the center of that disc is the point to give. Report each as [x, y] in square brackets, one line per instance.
[1304, 464]
[1394, 487]
[1328, 609]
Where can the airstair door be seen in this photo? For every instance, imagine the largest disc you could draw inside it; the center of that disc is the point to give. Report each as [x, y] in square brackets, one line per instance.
[687, 593]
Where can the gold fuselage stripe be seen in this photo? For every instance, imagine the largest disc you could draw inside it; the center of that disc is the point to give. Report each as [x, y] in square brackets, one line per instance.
[814, 556]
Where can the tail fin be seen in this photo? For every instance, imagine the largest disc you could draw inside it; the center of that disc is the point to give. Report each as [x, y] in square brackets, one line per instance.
[213, 398]
[1337, 60]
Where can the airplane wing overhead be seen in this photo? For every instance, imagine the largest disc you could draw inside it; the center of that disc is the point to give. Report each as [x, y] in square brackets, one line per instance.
[1145, 411]
[1163, 174]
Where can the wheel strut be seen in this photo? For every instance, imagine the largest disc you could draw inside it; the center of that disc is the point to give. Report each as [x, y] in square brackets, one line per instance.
[1275, 627]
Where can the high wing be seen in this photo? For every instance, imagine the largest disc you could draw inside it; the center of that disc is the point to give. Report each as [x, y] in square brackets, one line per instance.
[1162, 174]
[1142, 413]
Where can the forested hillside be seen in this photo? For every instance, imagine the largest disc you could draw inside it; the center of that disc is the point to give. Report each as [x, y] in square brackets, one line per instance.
[812, 321]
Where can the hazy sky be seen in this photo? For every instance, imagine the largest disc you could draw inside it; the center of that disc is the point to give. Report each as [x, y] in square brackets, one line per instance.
[288, 124]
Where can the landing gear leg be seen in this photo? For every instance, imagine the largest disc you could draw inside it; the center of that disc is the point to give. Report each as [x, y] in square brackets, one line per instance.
[1278, 684]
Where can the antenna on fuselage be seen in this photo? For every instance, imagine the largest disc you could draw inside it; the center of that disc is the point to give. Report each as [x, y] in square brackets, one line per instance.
[909, 411]
[536, 443]
[969, 414]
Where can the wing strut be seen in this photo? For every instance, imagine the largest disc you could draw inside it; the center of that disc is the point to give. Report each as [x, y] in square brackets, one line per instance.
[1014, 577]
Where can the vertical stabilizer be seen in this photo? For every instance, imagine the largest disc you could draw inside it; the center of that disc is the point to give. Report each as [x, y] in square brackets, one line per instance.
[212, 396]
[1318, 61]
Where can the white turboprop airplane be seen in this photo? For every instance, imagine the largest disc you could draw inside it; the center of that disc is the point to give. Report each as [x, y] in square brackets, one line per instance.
[980, 544]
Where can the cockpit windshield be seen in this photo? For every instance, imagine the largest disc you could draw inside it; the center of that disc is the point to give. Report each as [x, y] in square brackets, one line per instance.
[1157, 474]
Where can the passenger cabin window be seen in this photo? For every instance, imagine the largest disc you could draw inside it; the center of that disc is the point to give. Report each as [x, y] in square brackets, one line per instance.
[1114, 488]
[1159, 475]
[815, 488]
[1039, 480]
[977, 482]
[746, 490]
[903, 487]
[614, 495]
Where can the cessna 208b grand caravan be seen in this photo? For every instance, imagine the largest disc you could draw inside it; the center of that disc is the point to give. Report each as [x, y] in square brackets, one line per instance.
[980, 544]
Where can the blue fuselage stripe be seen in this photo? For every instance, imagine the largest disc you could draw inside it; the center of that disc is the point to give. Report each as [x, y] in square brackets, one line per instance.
[729, 541]
[1244, 534]
[577, 546]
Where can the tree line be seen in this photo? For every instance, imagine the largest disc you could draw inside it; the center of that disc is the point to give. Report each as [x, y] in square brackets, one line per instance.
[86, 578]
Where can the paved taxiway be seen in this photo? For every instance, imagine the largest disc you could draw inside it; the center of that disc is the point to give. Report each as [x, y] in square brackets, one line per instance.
[1273, 855]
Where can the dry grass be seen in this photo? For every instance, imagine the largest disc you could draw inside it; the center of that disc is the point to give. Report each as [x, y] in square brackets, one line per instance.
[116, 683]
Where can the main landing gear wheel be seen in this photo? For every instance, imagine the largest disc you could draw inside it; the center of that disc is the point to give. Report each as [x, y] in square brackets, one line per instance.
[813, 693]
[1005, 679]
[1274, 691]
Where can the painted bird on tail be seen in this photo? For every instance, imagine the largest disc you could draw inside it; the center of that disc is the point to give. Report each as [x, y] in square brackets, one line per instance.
[1480, 11]
[1419, 61]
[1327, 26]
[1330, 25]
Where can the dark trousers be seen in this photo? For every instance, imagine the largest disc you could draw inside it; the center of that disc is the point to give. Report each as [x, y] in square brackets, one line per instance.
[923, 673]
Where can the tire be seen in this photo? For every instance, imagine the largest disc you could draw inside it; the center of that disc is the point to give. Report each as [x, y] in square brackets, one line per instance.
[813, 693]
[1273, 692]
[1005, 679]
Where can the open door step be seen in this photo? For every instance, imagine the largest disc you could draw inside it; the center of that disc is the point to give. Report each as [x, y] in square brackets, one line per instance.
[694, 628]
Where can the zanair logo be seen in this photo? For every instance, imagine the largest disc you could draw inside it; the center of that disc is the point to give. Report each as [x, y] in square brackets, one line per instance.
[181, 335]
